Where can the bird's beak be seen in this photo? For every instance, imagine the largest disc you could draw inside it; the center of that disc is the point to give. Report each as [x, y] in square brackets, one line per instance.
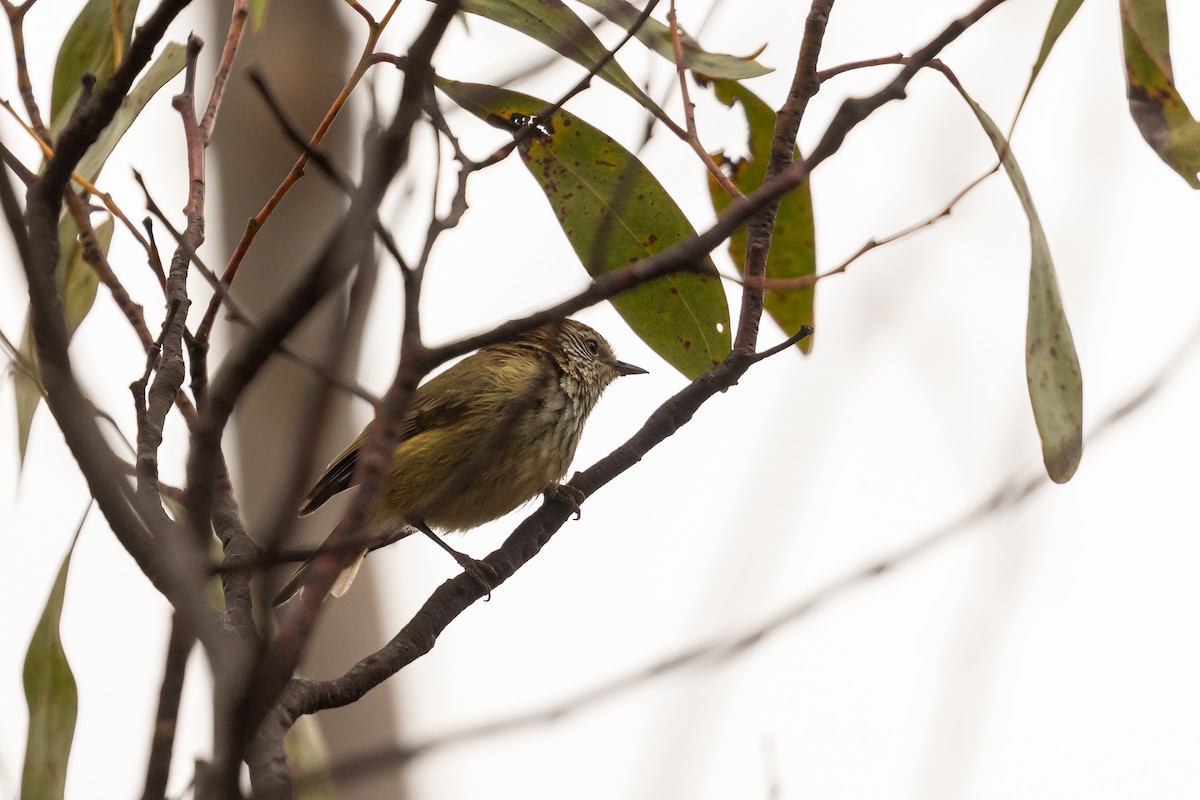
[629, 369]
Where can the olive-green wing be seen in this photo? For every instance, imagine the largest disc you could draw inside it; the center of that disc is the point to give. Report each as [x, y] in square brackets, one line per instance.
[439, 402]
[338, 477]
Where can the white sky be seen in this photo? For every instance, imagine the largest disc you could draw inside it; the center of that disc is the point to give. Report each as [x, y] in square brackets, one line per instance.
[1051, 651]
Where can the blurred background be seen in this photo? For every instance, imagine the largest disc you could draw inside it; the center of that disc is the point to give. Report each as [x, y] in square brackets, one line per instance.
[1045, 649]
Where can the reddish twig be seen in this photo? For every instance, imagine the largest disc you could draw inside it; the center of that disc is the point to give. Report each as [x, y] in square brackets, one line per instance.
[237, 24]
[16, 24]
[374, 31]
[689, 112]
[825, 74]
[805, 281]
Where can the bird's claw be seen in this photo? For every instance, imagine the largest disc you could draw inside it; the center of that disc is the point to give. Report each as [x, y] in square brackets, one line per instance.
[480, 571]
[569, 495]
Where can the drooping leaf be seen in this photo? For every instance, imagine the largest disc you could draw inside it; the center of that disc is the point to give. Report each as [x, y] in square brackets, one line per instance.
[1154, 103]
[657, 37]
[77, 284]
[793, 240]
[555, 25]
[1051, 364]
[166, 66]
[90, 47]
[53, 700]
[1064, 12]
[615, 212]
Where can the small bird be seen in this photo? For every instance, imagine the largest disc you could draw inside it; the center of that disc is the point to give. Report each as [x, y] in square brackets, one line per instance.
[488, 434]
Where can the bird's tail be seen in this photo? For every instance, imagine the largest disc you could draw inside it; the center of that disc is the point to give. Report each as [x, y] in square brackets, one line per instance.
[300, 576]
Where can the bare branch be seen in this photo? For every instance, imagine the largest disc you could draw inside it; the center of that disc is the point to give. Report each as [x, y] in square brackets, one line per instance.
[128, 516]
[162, 742]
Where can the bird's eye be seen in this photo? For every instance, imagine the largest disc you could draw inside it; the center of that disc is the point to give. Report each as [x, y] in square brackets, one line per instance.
[592, 346]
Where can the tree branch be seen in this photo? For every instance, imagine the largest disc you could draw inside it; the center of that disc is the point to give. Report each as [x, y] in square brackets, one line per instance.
[131, 520]
[451, 598]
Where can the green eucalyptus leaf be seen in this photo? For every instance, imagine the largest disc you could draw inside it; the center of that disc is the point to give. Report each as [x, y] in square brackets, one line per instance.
[90, 47]
[615, 212]
[555, 25]
[1064, 12]
[53, 700]
[1051, 364]
[657, 37]
[77, 283]
[1154, 103]
[793, 251]
[169, 64]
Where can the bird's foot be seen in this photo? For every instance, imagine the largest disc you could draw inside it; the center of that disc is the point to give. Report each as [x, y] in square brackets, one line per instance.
[483, 572]
[479, 570]
[569, 495]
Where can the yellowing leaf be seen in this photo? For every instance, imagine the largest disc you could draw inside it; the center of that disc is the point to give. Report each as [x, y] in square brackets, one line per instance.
[1154, 103]
[615, 212]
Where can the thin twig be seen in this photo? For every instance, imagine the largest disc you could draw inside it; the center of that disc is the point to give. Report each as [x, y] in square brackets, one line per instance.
[106, 198]
[162, 743]
[805, 281]
[237, 24]
[240, 316]
[322, 161]
[255, 224]
[135, 523]
[825, 74]
[689, 113]
[16, 23]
